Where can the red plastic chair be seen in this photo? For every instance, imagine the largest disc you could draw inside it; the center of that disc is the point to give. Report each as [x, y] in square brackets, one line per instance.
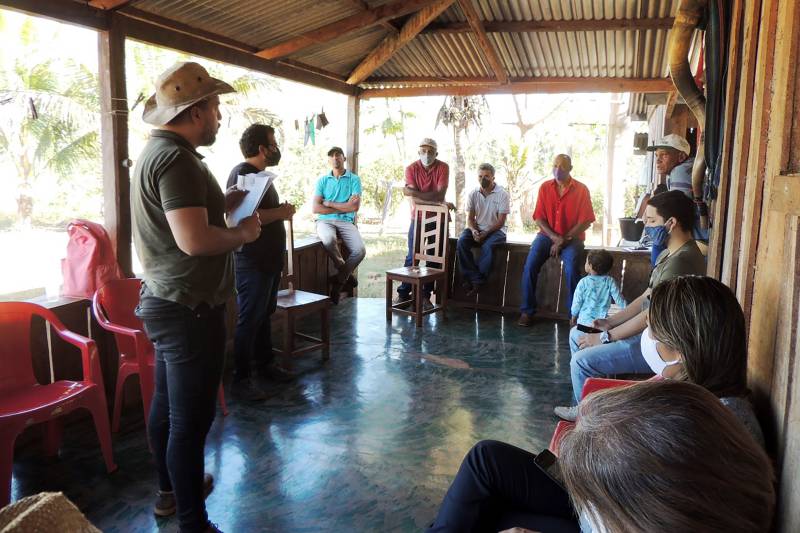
[114, 306]
[590, 386]
[23, 401]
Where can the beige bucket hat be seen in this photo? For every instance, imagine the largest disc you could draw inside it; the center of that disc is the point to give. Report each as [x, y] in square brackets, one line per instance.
[177, 88]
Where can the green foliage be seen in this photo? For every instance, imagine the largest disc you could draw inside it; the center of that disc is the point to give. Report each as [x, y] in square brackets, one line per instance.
[598, 206]
[632, 192]
[375, 178]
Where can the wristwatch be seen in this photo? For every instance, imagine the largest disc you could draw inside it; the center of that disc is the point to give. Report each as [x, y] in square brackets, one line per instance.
[605, 337]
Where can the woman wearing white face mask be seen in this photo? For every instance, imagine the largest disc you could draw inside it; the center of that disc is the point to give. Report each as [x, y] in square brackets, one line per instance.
[696, 332]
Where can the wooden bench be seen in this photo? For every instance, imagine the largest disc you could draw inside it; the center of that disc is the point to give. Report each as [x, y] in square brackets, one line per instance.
[503, 293]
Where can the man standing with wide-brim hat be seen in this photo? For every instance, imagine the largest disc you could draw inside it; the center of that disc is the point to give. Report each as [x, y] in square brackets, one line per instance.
[184, 246]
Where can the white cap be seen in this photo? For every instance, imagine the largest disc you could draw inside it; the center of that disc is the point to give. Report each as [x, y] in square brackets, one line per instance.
[673, 141]
[427, 141]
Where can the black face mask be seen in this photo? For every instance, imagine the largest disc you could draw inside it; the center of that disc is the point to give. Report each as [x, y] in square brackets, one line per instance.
[273, 158]
[486, 183]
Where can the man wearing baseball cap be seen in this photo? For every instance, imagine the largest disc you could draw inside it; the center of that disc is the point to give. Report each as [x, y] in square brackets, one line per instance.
[673, 161]
[672, 155]
[185, 248]
[337, 199]
[426, 181]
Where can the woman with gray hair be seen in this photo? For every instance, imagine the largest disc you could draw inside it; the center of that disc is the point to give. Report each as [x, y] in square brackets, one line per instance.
[662, 457]
[654, 457]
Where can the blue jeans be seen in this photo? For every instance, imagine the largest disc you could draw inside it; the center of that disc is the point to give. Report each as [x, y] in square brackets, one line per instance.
[404, 290]
[256, 294]
[477, 274]
[189, 354]
[571, 255]
[498, 486]
[618, 357]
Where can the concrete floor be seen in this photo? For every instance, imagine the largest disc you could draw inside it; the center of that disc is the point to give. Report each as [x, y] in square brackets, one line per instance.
[368, 441]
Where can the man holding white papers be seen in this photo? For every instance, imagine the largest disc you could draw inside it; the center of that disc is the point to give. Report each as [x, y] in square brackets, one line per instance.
[258, 269]
[337, 199]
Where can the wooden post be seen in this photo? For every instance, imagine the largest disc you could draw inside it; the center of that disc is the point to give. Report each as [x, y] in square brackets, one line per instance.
[353, 125]
[114, 136]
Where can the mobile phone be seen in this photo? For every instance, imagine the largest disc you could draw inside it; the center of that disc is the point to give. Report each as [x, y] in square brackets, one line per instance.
[548, 463]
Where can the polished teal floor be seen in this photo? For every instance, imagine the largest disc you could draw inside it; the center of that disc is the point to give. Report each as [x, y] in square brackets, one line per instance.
[368, 441]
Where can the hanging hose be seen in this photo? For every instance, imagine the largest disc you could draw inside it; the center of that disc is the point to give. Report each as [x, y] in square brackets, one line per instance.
[687, 18]
[689, 15]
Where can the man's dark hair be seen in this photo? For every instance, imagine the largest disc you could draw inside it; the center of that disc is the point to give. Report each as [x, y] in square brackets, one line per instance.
[254, 136]
[601, 261]
[675, 204]
[184, 115]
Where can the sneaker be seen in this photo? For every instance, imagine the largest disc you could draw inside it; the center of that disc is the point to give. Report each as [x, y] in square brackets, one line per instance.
[165, 502]
[524, 320]
[248, 390]
[566, 413]
[427, 305]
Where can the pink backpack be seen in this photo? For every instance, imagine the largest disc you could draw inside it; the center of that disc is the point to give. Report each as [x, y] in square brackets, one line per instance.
[90, 261]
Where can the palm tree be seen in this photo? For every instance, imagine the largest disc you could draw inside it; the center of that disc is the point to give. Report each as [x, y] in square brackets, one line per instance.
[461, 112]
[49, 123]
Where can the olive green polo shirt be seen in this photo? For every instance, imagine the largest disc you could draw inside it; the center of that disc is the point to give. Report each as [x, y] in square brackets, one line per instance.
[170, 174]
[685, 261]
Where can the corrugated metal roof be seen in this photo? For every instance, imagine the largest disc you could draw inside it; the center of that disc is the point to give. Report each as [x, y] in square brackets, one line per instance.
[445, 56]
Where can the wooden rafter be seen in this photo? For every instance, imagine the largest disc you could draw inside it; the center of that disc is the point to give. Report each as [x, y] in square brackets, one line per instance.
[365, 7]
[108, 4]
[336, 29]
[172, 25]
[526, 85]
[530, 26]
[476, 24]
[393, 43]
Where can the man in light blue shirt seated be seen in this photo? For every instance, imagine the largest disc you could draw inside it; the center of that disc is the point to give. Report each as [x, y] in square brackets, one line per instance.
[337, 198]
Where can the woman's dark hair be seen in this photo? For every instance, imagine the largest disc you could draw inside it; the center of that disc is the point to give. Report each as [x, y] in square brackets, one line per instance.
[675, 204]
[666, 456]
[601, 261]
[254, 136]
[700, 318]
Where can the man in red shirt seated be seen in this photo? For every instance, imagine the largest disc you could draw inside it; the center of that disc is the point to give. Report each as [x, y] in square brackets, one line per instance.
[563, 213]
[426, 182]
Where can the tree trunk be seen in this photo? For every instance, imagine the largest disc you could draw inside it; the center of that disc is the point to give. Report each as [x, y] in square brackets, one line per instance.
[461, 221]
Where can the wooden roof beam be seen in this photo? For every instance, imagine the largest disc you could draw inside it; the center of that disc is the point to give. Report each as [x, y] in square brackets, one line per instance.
[527, 85]
[488, 50]
[393, 43]
[108, 4]
[336, 29]
[365, 7]
[531, 26]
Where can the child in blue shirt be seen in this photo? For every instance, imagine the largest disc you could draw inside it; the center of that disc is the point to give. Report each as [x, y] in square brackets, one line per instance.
[594, 292]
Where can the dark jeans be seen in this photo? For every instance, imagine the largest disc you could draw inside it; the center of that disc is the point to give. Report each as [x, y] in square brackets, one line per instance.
[256, 294]
[571, 255]
[498, 487]
[404, 290]
[477, 273]
[189, 353]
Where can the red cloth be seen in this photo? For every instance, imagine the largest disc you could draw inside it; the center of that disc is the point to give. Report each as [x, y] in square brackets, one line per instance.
[434, 178]
[564, 212]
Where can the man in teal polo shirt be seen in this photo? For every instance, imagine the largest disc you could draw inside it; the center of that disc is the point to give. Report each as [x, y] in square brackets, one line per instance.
[337, 199]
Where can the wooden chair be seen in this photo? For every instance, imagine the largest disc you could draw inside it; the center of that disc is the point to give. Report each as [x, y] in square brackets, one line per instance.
[293, 304]
[430, 244]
